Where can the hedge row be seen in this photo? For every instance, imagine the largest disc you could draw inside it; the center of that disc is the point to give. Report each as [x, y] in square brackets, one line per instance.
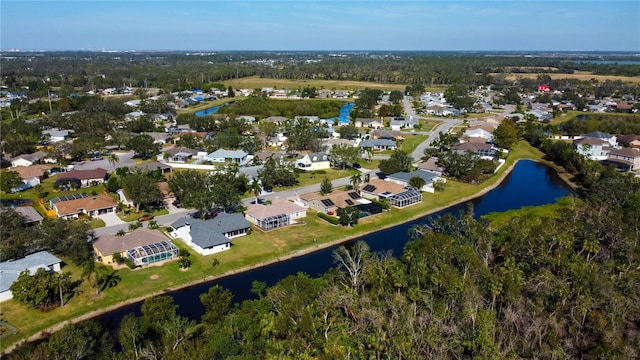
[331, 219]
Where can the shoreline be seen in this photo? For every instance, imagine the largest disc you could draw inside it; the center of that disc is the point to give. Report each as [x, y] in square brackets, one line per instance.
[298, 253]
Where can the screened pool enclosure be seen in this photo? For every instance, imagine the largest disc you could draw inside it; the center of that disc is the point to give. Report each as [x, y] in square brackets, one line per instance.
[152, 253]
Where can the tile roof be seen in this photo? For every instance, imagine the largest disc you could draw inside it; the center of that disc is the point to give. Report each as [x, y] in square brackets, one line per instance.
[36, 156]
[110, 244]
[428, 176]
[379, 186]
[277, 207]
[90, 203]
[98, 173]
[30, 171]
[29, 213]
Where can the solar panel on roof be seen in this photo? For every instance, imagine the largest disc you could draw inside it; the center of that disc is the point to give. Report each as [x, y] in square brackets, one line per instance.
[68, 197]
[369, 188]
[327, 202]
[349, 202]
[353, 195]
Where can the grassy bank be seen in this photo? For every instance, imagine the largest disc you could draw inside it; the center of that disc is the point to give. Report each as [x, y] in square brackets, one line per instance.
[257, 249]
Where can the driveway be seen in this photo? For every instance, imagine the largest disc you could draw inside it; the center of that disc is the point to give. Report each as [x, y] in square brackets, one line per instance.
[125, 159]
[110, 219]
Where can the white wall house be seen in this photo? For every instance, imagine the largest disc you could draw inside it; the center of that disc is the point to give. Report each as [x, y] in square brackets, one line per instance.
[592, 148]
[10, 270]
[210, 236]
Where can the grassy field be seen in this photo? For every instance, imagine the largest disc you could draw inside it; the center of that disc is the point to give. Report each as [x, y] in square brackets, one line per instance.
[257, 248]
[578, 75]
[255, 82]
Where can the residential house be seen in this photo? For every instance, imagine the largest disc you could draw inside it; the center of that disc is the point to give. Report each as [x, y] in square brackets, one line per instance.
[611, 139]
[330, 143]
[311, 118]
[91, 205]
[314, 161]
[333, 202]
[625, 159]
[400, 122]
[341, 94]
[324, 93]
[247, 119]
[210, 236]
[31, 175]
[378, 144]
[30, 215]
[85, 177]
[57, 135]
[222, 155]
[134, 115]
[11, 270]
[179, 154]
[142, 246]
[431, 165]
[262, 156]
[483, 150]
[28, 159]
[368, 122]
[277, 214]
[152, 166]
[484, 131]
[631, 140]
[398, 195]
[278, 120]
[429, 178]
[386, 134]
[160, 137]
[592, 148]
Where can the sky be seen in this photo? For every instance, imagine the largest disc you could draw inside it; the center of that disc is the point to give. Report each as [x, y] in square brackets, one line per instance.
[211, 25]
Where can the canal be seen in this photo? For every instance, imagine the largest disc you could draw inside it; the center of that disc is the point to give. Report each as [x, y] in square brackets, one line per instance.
[529, 184]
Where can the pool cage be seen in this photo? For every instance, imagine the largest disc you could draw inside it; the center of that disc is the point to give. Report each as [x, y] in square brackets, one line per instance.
[408, 197]
[152, 253]
[275, 221]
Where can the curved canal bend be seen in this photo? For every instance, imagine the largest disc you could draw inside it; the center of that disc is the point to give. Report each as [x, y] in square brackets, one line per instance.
[529, 184]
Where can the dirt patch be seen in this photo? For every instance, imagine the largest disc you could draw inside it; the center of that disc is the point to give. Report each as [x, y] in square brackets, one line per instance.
[154, 277]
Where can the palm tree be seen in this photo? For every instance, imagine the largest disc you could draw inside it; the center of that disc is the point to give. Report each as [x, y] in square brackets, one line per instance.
[113, 160]
[356, 180]
[109, 280]
[367, 178]
[90, 273]
[255, 188]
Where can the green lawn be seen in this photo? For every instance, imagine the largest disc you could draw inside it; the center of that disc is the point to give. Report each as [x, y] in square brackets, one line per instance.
[411, 142]
[133, 215]
[255, 248]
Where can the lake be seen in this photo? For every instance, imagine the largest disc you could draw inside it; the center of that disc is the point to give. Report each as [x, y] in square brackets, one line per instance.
[529, 184]
[209, 111]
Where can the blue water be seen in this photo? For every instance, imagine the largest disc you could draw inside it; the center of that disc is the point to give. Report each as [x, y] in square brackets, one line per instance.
[529, 184]
[345, 110]
[208, 111]
[609, 62]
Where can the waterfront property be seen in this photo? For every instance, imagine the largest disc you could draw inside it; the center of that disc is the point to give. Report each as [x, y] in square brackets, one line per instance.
[398, 195]
[277, 214]
[69, 207]
[331, 203]
[625, 159]
[429, 178]
[210, 236]
[10, 270]
[142, 246]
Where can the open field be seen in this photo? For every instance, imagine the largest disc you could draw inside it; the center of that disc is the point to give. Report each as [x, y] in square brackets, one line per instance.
[257, 249]
[255, 82]
[578, 75]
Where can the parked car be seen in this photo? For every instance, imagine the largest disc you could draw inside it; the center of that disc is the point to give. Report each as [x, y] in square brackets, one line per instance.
[357, 166]
[96, 158]
[145, 217]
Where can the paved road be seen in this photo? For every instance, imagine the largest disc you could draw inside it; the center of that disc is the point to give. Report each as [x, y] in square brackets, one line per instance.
[444, 127]
[163, 220]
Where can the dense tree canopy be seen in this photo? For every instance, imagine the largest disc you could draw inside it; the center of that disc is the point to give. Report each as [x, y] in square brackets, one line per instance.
[397, 162]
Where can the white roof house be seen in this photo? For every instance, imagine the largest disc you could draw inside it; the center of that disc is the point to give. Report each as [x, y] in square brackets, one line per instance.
[222, 155]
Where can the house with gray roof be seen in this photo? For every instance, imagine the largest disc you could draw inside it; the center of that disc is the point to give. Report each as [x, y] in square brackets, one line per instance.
[10, 270]
[180, 153]
[314, 161]
[378, 144]
[210, 236]
[403, 178]
[222, 155]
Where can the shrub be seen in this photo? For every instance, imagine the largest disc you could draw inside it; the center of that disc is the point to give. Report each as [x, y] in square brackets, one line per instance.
[329, 218]
[384, 204]
[117, 257]
[129, 263]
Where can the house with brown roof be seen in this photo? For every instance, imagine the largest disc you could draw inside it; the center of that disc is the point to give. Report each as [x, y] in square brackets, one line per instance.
[484, 131]
[330, 202]
[85, 177]
[431, 165]
[90, 205]
[397, 195]
[33, 174]
[630, 140]
[483, 150]
[279, 213]
[142, 246]
[592, 148]
[369, 122]
[386, 134]
[278, 120]
[625, 159]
